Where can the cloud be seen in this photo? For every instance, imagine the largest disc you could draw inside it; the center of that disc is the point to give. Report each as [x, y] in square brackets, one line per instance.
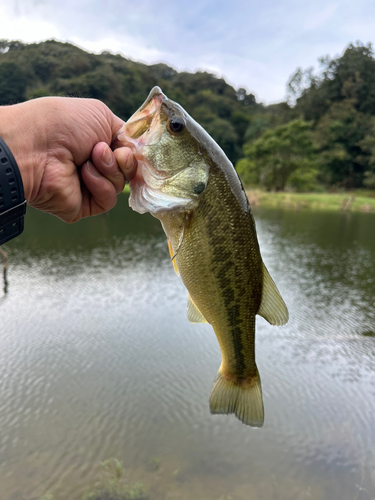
[20, 28]
[256, 45]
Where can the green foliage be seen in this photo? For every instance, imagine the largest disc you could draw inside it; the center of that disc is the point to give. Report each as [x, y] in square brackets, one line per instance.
[369, 179]
[113, 467]
[116, 491]
[339, 133]
[339, 105]
[13, 82]
[41, 92]
[153, 464]
[279, 152]
[323, 136]
[54, 68]
[303, 180]
[47, 496]
[224, 134]
[246, 169]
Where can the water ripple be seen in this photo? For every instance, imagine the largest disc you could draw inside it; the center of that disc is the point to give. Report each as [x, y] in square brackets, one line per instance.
[97, 359]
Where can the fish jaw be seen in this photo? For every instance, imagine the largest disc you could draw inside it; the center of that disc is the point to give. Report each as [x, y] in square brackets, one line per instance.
[144, 129]
[146, 112]
[159, 184]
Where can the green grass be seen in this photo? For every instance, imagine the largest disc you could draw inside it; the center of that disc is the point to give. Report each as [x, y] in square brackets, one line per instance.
[356, 201]
[112, 487]
[116, 491]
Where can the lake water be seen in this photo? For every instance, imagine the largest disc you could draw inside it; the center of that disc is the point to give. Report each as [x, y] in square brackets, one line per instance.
[98, 360]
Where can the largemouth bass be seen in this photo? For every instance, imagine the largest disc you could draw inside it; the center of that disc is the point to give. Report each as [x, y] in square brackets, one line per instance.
[185, 180]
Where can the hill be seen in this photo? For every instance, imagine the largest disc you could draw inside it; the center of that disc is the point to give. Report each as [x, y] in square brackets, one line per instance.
[54, 68]
[322, 138]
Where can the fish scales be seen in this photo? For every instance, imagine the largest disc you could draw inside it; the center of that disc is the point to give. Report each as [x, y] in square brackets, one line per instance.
[186, 181]
[227, 253]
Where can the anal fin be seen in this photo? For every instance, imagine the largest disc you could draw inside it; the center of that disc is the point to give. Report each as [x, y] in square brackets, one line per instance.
[193, 313]
[272, 307]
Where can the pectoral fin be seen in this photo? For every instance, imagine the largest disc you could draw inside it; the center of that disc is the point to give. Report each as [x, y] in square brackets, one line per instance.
[172, 259]
[193, 313]
[272, 307]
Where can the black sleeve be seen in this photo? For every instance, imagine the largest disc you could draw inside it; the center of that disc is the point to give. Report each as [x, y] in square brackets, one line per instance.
[12, 198]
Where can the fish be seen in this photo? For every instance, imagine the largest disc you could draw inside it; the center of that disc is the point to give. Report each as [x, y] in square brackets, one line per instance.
[185, 180]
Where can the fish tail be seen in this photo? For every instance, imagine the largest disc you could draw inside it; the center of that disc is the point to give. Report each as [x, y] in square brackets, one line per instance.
[241, 397]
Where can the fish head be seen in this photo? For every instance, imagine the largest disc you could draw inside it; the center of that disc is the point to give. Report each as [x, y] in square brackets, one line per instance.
[173, 170]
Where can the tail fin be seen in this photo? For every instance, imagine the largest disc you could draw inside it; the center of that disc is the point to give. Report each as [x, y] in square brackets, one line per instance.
[243, 398]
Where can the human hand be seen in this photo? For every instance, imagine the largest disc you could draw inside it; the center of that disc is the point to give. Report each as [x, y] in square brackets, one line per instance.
[61, 147]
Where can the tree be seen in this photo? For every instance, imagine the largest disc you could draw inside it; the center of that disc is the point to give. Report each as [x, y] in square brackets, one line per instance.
[280, 152]
[351, 76]
[13, 82]
[339, 135]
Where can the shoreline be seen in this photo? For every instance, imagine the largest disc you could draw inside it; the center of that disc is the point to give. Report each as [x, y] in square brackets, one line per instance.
[344, 202]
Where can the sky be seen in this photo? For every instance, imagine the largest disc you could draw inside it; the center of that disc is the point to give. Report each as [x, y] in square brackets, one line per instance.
[253, 44]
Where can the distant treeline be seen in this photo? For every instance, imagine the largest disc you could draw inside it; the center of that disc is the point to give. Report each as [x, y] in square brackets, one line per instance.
[323, 137]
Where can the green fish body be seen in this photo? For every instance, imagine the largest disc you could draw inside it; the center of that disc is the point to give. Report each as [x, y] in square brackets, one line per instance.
[187, 182]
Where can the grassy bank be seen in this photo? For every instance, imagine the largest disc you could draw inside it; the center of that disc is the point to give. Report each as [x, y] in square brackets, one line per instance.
[353, 201]
[356, 201]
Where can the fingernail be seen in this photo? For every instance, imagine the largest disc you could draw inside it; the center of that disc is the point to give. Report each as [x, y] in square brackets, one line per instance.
[107, 155]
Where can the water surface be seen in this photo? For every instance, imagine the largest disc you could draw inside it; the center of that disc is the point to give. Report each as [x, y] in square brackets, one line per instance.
[98, 360]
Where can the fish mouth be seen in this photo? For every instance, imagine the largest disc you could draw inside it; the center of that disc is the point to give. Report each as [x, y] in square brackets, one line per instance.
[143, 127]
[151, 104]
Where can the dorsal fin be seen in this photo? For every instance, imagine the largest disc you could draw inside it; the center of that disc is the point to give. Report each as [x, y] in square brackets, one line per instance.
[193, 313]
[171, 253]
[272, 307]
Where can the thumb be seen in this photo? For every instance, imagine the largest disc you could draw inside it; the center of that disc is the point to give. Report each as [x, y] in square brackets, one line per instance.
[116, 123]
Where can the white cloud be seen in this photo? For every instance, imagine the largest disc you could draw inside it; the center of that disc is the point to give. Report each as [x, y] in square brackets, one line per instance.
[23, 28]
[126, 46]
[256, 45]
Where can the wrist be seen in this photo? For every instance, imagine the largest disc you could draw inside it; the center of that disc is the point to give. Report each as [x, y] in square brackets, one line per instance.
[12, 199]
[18, 130]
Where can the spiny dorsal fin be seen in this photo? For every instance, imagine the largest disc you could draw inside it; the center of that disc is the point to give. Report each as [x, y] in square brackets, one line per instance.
[272, 307]
[193, 313]
[173, 260]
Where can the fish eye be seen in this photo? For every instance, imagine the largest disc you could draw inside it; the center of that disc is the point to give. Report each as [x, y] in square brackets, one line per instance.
[176, 125]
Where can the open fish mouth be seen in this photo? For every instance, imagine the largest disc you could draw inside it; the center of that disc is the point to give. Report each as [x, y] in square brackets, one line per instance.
[151, 104]
[144, 127]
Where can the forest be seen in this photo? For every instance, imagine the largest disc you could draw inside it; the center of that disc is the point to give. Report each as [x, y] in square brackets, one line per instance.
[321, 138]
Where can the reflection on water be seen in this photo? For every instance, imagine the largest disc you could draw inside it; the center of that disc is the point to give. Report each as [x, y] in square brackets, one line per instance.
[98, 360]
